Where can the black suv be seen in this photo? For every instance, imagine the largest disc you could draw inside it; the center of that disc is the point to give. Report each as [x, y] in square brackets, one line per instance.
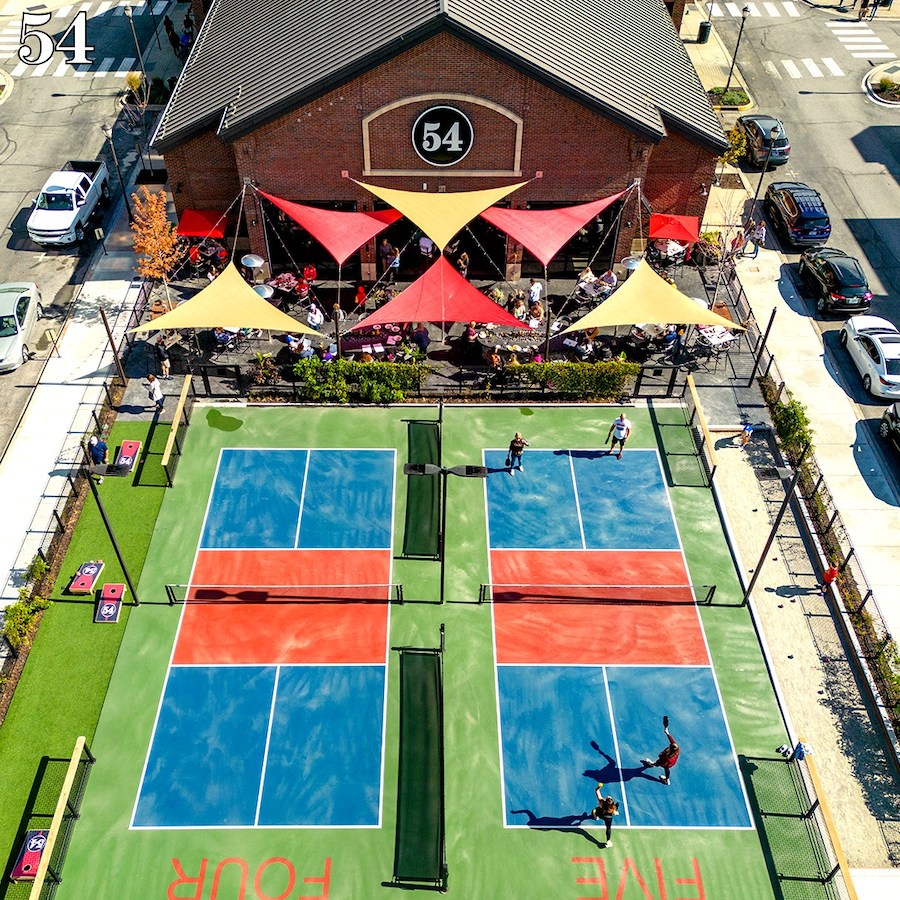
[797, 212]
[837, 279]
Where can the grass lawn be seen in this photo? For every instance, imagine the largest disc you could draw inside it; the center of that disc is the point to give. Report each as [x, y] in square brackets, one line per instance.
[65, 680]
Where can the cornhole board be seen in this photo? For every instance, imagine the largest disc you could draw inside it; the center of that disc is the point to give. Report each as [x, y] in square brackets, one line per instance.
[110, 604]
[128, 454]
[86, 577]
[29, 856]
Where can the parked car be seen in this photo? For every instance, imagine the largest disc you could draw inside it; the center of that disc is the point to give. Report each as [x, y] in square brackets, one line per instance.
[874, 346]
[20, 308]
[761, 149]
[67, 202]
[837, 280]
[797, 212]
[889, 428]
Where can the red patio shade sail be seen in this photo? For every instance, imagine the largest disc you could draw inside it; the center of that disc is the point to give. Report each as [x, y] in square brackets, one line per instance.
[544, 231]
[440, 295]
[340, 233]
[675, 228]
[202, 223]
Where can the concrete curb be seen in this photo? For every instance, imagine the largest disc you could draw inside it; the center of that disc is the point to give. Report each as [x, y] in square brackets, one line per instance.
[869, 77]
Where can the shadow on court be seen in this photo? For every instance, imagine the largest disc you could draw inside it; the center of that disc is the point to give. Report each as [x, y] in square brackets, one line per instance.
[569, 824]
[611, 773]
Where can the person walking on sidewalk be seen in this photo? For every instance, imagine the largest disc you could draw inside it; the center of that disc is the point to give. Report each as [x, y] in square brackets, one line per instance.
[829, 576]
[758, 237]
[155, 392]
[605, 809]
[172, 35]
[162, 355]
[863, 9]
[99, 452]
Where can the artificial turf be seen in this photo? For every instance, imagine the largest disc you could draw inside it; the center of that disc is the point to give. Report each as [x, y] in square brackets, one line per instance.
[65, 680]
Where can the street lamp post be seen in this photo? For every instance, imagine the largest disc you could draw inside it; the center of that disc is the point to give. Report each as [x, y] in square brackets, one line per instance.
[744, 13]
[461, 472]
[129, 12]
[107, 130]
[137, 49]
[773, 134]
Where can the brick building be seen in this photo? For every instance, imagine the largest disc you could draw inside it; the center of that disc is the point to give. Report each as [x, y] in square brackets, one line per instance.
[439, 95]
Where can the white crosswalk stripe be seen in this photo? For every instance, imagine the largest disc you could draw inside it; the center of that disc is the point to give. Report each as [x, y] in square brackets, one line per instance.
[860, 41]
[718, 10]
[812, 66]
[103, 7]
[62, 69]
[126, 67]
[63, 11]
[813, 69]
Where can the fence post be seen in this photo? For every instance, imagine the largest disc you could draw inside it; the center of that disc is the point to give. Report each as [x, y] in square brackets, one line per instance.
[638, 381]
[762, 346]
[670, 390]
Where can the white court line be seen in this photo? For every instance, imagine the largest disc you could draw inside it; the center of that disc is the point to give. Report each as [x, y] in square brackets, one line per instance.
[262, 774]
[814, 70]
[126, 67]
[832, 66]
[772, 69]
[772, 10]
[577, 501]
[302, 499]
[615, 737]
[791, 9]
[791, 68]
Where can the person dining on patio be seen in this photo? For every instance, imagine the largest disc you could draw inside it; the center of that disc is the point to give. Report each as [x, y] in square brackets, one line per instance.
[315, 318]
[609, 281]
[519, 309]
[535, 314]
[420, 337]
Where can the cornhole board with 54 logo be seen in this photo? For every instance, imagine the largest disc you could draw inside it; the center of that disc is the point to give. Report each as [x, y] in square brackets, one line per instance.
[110, 604]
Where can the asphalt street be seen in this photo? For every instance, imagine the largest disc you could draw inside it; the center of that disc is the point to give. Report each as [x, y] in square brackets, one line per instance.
[52, 114]
[807, 69]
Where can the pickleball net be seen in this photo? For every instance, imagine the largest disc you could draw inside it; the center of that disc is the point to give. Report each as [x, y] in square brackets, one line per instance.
[284, 593]
[644, 594]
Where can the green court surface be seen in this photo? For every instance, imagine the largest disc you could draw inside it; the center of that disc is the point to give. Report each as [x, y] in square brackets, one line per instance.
[108, 860]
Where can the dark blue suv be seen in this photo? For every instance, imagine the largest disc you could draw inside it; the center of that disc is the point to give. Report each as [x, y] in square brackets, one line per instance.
[797, 212]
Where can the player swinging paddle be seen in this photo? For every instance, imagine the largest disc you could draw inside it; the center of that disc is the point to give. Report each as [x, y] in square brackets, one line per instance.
[667, 757]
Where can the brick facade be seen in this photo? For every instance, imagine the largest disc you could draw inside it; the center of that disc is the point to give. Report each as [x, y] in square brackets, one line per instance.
[582, 155]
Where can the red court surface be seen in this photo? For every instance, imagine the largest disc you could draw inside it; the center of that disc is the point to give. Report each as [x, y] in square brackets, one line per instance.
[557, 631]
[243, 624]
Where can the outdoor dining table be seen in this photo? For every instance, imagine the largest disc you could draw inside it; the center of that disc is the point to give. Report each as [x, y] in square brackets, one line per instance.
[511, 339]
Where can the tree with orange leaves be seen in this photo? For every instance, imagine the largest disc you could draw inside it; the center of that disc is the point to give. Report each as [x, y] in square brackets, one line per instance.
[156, 242]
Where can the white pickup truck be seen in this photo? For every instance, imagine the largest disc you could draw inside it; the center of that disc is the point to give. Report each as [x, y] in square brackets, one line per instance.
[67, 201]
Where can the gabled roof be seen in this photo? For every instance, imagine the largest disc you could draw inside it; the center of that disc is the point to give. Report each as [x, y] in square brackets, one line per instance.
[253, 62]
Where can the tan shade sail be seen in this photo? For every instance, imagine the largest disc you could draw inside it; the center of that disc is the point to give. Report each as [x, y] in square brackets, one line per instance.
[441, 216]
[229, 302]
[645, 297]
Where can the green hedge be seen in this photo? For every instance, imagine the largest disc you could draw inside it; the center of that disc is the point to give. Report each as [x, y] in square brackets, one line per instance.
[584, 381]
[370, 382]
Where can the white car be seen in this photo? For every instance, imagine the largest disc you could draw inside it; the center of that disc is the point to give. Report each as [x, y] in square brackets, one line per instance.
[874, 346]
[20, 309]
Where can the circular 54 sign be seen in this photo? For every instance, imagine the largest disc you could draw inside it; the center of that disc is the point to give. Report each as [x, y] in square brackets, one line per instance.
[442, 136]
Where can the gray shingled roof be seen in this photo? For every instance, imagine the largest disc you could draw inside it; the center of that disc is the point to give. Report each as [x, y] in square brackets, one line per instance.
[253, 62]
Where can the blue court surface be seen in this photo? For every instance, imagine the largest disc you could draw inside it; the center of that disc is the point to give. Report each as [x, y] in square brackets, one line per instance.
[239, 746]
[579, 500]
[564, 728]
[311, 499]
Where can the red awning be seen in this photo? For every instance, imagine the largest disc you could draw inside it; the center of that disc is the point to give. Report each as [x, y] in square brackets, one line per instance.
[544, 231]
[675, 228]
[340, 233]
[202, 223]
[440, 295]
